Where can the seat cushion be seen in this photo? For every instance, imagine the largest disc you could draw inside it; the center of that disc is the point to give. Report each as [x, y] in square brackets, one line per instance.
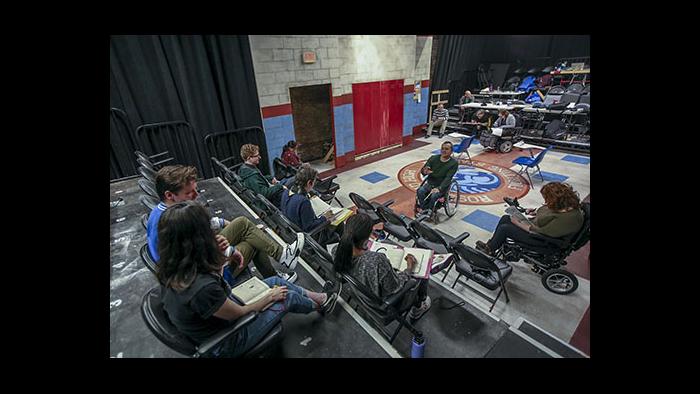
[488, 279]
[524, 160]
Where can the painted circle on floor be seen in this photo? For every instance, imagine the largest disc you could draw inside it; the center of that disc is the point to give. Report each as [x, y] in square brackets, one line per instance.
[479, 184]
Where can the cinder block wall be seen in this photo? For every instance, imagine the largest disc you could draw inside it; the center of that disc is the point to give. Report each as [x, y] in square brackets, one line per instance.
[341, 61]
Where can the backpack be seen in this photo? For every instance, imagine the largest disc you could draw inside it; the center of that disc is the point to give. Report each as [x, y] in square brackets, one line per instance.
[527, 84]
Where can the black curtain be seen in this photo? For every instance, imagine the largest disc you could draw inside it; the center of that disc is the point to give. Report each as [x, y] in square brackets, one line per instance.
[459, 56]
[207, 81]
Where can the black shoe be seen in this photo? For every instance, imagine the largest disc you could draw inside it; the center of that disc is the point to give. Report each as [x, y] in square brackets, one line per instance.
[484, 247]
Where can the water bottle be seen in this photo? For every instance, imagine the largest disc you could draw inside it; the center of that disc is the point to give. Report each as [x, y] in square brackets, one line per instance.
[417, 346]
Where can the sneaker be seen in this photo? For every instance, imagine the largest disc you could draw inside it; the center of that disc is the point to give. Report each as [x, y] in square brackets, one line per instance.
[328, 306]
[417, 313]
[290, 277]
[331, 287]
[484, 247]
[292, 252]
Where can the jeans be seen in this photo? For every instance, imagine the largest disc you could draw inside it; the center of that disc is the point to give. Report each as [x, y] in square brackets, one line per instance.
[253, 332]
[423, 193]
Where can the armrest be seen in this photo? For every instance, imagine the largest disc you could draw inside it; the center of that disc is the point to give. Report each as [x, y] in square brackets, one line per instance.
[553, 241]
[421, 217]
[387, 203]
[223, 334]
[459, 239]
[319, 228]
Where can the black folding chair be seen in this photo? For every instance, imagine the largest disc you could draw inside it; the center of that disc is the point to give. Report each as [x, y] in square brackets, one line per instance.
[488, 271]
[160, 325]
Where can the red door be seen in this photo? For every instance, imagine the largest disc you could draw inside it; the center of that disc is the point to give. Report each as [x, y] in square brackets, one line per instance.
[377, 114]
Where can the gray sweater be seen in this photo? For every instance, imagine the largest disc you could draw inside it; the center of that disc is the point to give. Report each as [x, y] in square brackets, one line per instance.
[375, 271]
[510, 122]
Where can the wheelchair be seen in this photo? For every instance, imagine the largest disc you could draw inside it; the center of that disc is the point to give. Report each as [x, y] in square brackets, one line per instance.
[504, 142]
[547, 254]
[449, 201]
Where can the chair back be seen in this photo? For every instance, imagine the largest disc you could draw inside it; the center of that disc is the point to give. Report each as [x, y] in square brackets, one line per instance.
[476, 258]
[556, 90]
[361, 203]
[575, 88]
[464, 144]
[584, 234]
[428, 234]
[160, 325]
[586, 89]
[282, 170]
[585, 99]
[148, 173]
[148, 201]
[147, 187]
[147, 259]
[385, 311]
[540, 156]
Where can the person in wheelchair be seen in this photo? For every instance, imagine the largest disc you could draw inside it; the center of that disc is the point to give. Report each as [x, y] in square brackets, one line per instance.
[439, 169]
[373, 269]
[197, 299]
[559, 217]
[296, 206]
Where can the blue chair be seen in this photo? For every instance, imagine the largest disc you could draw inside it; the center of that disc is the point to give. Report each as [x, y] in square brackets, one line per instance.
[526, 163]
[464, 146]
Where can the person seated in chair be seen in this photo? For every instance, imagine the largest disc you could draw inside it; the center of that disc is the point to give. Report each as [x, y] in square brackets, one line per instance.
[296, 206]
[559, 217]
[505, 120]
[253, 179]
[440, 116]
[440, 169]
[199, 302]
[466, 99]
[373, 269]
[481, 121]
[290, 154]
[179, 183]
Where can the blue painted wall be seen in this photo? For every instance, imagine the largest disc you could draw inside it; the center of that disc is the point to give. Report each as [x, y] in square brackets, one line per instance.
[278, 131]
[344, 129]
[415, 113]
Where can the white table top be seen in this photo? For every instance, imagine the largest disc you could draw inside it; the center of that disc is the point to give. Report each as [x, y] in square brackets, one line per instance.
[523, 145]
[495, 106]
[499, 93]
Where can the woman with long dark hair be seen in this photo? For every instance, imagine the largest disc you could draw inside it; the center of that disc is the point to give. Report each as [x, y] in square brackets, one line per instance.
[296, 206]
[559, 217]
[374, 269]
[197, 299]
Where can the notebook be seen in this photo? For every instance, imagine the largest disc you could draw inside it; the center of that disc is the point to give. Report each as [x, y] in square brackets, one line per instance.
[512, 211]
[396, 255]
[339, 214]
[251, 291]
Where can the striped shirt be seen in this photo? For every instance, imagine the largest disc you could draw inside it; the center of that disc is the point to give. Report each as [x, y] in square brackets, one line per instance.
[440, 114]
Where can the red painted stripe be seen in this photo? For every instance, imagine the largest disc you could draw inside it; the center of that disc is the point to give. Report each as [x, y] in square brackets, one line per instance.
[425, 83]
[581, 339]
[342, 100]
[418, 130]
[277, 110]
[408, 89]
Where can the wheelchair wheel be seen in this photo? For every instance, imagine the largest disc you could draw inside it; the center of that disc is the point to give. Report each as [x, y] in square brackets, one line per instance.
[452, 201]
[505, 146]
[559, 281]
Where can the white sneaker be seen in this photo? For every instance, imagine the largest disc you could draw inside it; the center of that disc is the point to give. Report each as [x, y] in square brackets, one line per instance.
[290, 277]
[292, 252]
[416, 313]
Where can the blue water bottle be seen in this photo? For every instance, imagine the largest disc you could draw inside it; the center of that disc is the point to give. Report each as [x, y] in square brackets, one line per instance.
[417, 346]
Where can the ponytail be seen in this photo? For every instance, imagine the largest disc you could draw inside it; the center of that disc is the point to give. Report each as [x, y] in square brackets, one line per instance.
[356, 233]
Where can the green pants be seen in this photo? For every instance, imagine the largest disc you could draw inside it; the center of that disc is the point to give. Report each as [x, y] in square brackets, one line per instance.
[253, 244]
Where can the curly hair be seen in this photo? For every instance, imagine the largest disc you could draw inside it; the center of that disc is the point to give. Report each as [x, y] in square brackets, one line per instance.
[560, 196]
[186, 245]
[173, 179]
[249, 150]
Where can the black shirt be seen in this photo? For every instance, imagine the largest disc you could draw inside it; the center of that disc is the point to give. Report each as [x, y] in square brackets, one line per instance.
[192, 310]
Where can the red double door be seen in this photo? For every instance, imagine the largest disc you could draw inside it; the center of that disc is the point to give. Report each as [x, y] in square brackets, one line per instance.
[377, 114]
